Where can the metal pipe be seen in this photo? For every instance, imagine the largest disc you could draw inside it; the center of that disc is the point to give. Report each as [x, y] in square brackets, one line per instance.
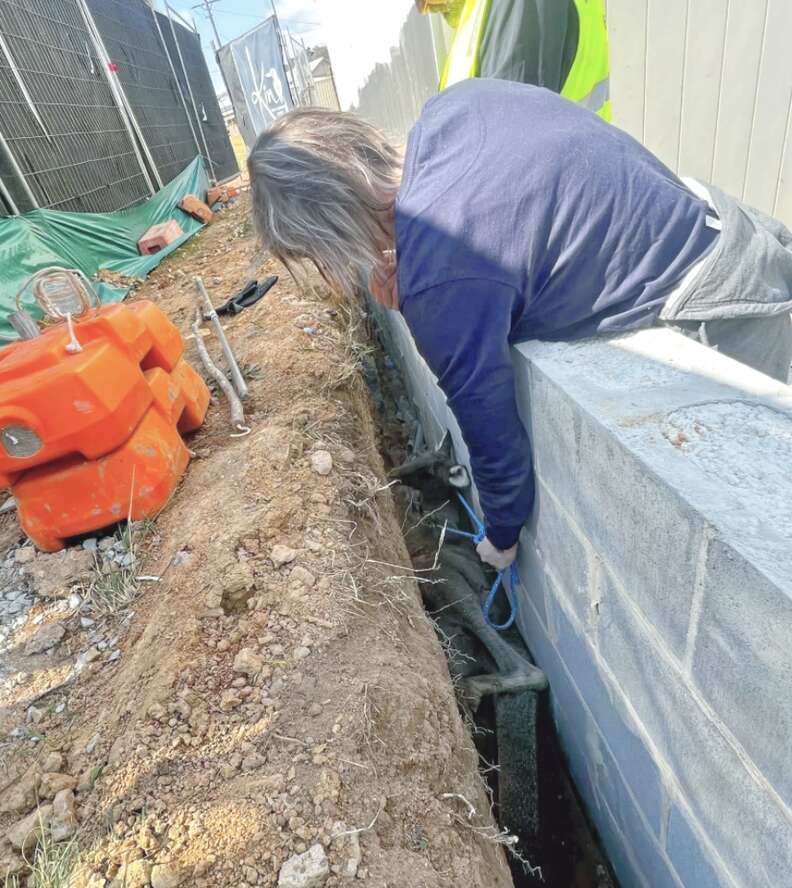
[18, 170]
[22, 86]
[211, 315]
[237, 411]
[173, 72]
[104, 62]
[192, 97]
[6, 195]
[24, 325]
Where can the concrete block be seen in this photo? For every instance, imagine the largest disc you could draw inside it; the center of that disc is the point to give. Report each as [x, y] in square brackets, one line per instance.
[563, 554]
[604, 702]
[733, 804]
[689, 857]
[597, 778]
[742, 663]
[642, 528]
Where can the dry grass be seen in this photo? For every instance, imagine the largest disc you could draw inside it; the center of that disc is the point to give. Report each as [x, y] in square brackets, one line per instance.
[112, 592]
[52, 866]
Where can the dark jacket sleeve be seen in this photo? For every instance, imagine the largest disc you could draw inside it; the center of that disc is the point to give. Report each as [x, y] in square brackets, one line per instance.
[462, 330]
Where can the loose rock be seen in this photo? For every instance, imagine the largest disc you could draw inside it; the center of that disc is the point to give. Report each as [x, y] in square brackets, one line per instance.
[301, 575]
[136, 874]
[26, 833]
[322, 462]
[248, 662]
[281, 555]
[54, 783]
[21, 797]
[54, 575]
[46, 637]
[165, 876]
[308, 870]
[64, 816]
[25, 555]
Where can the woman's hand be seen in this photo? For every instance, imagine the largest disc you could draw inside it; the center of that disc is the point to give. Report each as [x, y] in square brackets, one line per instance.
[497, 558]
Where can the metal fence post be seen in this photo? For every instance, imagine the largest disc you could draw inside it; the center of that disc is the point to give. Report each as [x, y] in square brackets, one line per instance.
[175, 77]
[189, 89]
[21, 176]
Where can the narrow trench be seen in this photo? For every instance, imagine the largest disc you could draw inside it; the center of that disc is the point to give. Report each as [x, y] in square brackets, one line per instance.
[519, 752]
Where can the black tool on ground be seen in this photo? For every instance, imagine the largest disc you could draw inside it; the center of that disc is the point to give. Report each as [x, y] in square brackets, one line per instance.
[249, 295]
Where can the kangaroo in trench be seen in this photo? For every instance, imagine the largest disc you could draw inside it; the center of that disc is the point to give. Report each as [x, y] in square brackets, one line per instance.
[481, 661]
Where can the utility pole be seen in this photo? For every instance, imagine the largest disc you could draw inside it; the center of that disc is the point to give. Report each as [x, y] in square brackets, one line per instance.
[206, 5]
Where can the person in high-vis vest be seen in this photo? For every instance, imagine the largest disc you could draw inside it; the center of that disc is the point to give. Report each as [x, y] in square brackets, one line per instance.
[559, 44]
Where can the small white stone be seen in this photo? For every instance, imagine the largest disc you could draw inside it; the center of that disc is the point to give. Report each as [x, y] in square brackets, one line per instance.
[308, 870]
[322, 462]
[281, 555]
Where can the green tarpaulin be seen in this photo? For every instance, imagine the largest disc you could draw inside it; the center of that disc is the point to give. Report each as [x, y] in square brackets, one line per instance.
[91, 241]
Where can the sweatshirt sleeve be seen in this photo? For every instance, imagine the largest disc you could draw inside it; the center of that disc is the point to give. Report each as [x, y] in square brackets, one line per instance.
[462, 330]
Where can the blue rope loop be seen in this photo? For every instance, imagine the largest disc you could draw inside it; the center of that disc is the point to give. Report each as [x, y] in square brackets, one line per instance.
[514, 576]
[510, 589]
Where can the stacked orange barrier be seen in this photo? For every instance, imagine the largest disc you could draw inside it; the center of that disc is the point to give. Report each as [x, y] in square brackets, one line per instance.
[88, 438]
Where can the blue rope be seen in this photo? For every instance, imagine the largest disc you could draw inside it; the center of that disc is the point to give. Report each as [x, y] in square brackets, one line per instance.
[489, 601]
[514, 576]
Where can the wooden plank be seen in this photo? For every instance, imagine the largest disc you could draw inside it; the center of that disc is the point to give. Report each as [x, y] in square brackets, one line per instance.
[773, 96]
[745, 30]
[627, 33]
[706, 33]
[665, 64]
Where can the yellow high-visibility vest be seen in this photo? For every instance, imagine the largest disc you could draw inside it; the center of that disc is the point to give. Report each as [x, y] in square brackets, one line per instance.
[588, 81]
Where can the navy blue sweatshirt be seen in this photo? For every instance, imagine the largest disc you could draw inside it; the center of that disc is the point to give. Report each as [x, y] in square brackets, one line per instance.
[523, 216]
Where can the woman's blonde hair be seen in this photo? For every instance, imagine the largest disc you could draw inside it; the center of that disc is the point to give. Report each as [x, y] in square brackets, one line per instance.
[323, 184]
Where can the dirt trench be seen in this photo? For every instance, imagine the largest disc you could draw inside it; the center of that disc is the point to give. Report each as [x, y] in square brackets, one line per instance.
[274, 685]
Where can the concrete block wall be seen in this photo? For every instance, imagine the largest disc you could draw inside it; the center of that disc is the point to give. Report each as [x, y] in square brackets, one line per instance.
[657, 594]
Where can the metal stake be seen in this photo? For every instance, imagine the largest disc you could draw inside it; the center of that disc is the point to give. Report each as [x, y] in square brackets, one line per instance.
[211, 315]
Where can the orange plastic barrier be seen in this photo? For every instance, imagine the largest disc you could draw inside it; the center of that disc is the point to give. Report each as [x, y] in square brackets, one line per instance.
[76, 429]
[53, 403]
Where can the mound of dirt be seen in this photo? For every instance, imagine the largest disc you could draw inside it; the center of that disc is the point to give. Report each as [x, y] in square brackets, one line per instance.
[272, 687]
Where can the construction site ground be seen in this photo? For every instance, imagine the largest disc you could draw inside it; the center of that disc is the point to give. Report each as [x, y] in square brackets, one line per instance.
[251, 674]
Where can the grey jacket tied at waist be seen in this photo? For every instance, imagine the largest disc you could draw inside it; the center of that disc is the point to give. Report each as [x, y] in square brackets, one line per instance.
[747, 273]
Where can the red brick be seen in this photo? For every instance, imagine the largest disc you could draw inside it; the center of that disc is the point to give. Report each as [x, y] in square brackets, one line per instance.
[196, 208]
[159, 236]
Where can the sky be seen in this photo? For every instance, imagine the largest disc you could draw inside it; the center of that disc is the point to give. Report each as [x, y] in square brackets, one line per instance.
[234, 17]
[358, 32]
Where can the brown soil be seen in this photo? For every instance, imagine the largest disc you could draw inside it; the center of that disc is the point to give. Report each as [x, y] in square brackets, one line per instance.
[350, 723]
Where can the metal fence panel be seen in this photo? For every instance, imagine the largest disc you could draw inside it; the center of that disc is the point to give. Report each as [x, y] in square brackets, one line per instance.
[130, 35]
[210, 118]
[66, 134]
